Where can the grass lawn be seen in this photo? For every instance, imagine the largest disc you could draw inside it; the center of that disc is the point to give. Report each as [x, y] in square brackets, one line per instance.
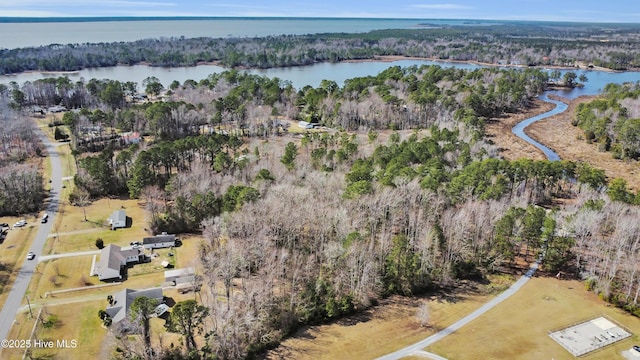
[156, 262]
[78, 322]
[517, 328]
[188, 254]
[63, 273]
[75, 234]
[380, 330]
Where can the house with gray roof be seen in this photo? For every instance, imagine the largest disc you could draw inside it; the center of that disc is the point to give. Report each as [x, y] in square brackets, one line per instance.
[119, 308]
[163, 240]
[178, 276]
[114, 261]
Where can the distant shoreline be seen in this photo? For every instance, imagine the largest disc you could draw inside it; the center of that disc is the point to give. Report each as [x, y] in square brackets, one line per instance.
[383, 59]
[196, 18]
[392, 58]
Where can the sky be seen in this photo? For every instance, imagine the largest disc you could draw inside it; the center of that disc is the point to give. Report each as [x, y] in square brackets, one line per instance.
[546, 10]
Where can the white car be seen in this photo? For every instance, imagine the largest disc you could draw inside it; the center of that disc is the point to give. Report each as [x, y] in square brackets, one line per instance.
[20, 223]
[31, 255]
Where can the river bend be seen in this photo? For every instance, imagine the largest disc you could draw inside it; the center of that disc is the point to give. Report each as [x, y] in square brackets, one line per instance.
[518, 130]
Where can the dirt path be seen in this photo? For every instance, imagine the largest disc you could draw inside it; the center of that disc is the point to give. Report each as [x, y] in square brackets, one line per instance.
[557, 133]
[510, 146]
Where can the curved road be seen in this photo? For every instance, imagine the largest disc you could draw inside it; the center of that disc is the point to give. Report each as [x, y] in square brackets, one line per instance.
[19, 287]
[416, 349]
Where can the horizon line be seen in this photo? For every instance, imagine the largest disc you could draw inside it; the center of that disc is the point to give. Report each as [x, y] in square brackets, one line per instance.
[30, 19]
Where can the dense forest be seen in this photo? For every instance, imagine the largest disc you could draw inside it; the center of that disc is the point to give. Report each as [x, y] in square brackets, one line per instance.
[396, 191]
[21, 185]
[532, 44]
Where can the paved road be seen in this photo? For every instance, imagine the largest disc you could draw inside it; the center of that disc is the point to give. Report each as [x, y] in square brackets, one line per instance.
[19, 288]
[416, 349]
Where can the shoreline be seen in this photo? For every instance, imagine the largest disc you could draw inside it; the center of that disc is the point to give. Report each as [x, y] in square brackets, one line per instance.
[383, 58]
[392, 58]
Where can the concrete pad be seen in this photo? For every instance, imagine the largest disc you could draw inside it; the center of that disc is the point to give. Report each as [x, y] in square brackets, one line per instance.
[589, 336]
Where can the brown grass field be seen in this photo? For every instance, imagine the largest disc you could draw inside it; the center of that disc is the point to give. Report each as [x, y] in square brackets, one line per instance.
[510, 146]
[384, 328]
[517, 328]
[72, 325]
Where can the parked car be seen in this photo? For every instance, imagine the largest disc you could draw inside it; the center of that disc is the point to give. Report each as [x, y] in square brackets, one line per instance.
[31, 255]
[4, 225]
[20, 223]
[636, 348]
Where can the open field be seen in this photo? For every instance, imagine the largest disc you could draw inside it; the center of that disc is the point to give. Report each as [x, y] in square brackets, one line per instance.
[518, 327]
[385, 328]
[568, 141]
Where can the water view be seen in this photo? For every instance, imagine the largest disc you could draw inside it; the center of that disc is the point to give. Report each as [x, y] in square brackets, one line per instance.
[302, 75]
[55, 32]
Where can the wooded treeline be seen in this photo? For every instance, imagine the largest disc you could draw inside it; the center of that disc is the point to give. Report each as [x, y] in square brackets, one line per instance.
[517, 43]
[21, 186]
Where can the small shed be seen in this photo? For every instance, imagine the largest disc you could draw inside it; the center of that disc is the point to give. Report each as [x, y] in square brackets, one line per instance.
[178, 275]
[118, 219]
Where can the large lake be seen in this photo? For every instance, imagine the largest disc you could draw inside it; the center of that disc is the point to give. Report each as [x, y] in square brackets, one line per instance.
[299, 76]
[24, 34]
[47, 31]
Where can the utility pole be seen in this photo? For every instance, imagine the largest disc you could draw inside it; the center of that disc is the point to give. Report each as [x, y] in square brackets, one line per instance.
[29, 303]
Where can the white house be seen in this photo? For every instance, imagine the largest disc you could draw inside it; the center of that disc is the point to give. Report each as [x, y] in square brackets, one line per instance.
[118, 219]
[159, 241]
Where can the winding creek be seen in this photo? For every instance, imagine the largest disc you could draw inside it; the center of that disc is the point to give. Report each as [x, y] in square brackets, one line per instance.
[518, 130]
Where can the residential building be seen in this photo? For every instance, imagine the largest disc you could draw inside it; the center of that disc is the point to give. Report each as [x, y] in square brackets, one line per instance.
[180, 275]
[113, 262]
[119, 308]
[118, 219]
[163, 240]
